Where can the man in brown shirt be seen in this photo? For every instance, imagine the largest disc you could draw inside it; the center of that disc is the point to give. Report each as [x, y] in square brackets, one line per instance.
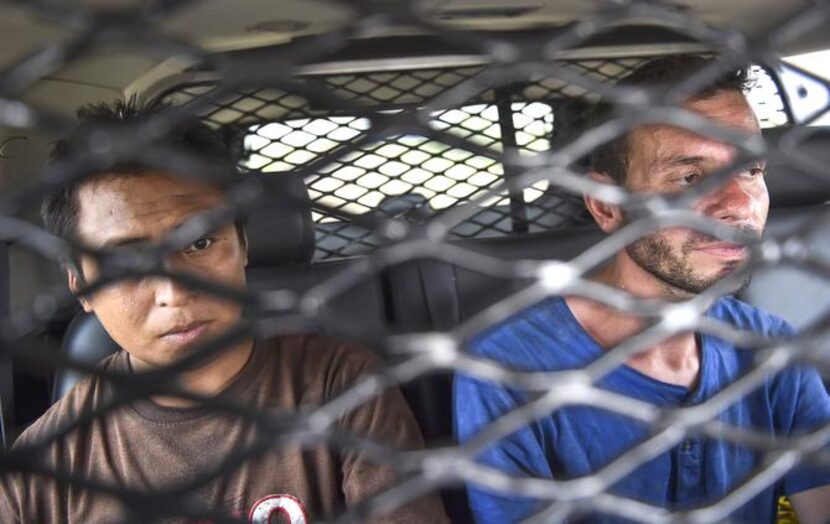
[171, 456]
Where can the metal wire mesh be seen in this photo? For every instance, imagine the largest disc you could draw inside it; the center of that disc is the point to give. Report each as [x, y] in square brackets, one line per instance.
[471, 149]
[412, 176]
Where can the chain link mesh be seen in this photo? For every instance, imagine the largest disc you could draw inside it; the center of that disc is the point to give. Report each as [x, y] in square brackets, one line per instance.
[399, 165]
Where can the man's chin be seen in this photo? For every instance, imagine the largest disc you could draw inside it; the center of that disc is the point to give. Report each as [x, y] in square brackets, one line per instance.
[685, 285]
[163, 357]
[738, 282]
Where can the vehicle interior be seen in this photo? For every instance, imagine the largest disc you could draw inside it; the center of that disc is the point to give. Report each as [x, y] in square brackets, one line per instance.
[400, 145]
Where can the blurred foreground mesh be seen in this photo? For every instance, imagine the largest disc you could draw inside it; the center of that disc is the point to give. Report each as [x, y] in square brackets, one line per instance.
[402, 163]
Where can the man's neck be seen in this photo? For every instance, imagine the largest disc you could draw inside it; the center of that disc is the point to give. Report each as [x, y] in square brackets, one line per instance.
[675, 360]
[211, 378]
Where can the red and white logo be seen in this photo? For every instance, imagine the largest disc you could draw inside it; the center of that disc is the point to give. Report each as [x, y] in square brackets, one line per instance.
[269, 506]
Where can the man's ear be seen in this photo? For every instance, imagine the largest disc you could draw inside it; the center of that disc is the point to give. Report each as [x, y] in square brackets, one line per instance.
[75, 284]
[609, 217]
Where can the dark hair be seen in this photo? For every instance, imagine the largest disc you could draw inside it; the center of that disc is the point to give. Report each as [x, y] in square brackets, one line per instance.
[612, 157]
[59, 210]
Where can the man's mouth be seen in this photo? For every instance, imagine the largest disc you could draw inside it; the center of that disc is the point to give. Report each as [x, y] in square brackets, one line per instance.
[186, 333]
[724, 250]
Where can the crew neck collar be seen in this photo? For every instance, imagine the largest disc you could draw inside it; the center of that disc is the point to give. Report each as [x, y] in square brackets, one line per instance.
[241, 387]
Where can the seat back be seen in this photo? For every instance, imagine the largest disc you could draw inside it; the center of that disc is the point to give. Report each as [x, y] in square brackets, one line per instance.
[85, 342]
[799, 198]
[793, 293]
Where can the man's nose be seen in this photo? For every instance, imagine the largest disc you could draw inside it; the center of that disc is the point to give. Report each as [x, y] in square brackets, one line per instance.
[169, 292]
[733, 202]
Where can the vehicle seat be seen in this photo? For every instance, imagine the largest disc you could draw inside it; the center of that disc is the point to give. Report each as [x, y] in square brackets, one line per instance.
[799, 198]
[798, 296]
[85, 342]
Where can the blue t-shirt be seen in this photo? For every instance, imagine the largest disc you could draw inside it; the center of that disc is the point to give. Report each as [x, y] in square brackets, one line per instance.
[579, 440]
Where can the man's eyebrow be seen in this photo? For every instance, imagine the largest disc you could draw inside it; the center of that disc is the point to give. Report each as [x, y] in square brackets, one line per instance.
[125, 241]
[682, 160]
[138, 240]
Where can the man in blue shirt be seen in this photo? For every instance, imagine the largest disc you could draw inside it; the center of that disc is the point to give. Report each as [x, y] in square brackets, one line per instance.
[687, 369]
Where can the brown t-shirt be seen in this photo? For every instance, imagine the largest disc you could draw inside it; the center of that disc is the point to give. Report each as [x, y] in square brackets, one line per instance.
[144, 447]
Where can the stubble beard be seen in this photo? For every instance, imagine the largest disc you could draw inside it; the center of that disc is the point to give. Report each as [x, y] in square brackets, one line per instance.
[653, 254]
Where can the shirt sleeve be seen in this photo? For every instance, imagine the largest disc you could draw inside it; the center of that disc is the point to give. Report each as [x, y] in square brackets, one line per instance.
[385, 419]
[9, 511]
[802, 405]
[476, 404]
[810, 411]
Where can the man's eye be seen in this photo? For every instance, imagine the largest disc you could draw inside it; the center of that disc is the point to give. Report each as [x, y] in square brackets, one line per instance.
[689, 179]
[756, 172]
[199, 245]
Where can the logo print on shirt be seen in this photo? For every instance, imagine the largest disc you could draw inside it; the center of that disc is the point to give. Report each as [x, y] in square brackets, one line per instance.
[267, 506]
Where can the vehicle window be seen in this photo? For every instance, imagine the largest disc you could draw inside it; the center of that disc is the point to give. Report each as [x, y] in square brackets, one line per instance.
[806, 89]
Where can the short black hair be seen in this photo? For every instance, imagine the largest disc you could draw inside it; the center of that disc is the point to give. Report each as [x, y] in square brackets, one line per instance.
[59, 210]
[611, 157]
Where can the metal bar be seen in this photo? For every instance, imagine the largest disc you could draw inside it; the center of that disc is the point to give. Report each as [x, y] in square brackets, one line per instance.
[518, 210]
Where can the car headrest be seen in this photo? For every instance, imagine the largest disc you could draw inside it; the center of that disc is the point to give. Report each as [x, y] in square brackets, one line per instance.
[796, 180]
[85, 341]
[281, 231]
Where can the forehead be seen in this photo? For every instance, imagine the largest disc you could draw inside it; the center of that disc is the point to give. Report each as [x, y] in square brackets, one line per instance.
[727, 108]
[113, 208]
[649, 144]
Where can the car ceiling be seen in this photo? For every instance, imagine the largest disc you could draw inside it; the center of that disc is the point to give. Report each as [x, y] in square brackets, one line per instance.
[109, 70]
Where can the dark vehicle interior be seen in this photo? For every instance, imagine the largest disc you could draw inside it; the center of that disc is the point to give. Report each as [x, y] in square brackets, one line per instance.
[449, 165]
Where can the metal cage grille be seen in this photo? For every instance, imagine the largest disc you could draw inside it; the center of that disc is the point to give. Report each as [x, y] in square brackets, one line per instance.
[399, 166]
[415, 176]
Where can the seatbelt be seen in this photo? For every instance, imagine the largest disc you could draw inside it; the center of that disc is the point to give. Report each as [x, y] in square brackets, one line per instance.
[440, 294]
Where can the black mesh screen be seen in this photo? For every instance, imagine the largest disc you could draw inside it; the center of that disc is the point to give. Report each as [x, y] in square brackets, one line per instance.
[412, 176]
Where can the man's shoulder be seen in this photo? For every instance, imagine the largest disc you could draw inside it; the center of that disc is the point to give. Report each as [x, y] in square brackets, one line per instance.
[530, 339]
[789, 386]
[748, 317]
[316, 349]
[86, 395]
[321, 359]
[535, 315]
